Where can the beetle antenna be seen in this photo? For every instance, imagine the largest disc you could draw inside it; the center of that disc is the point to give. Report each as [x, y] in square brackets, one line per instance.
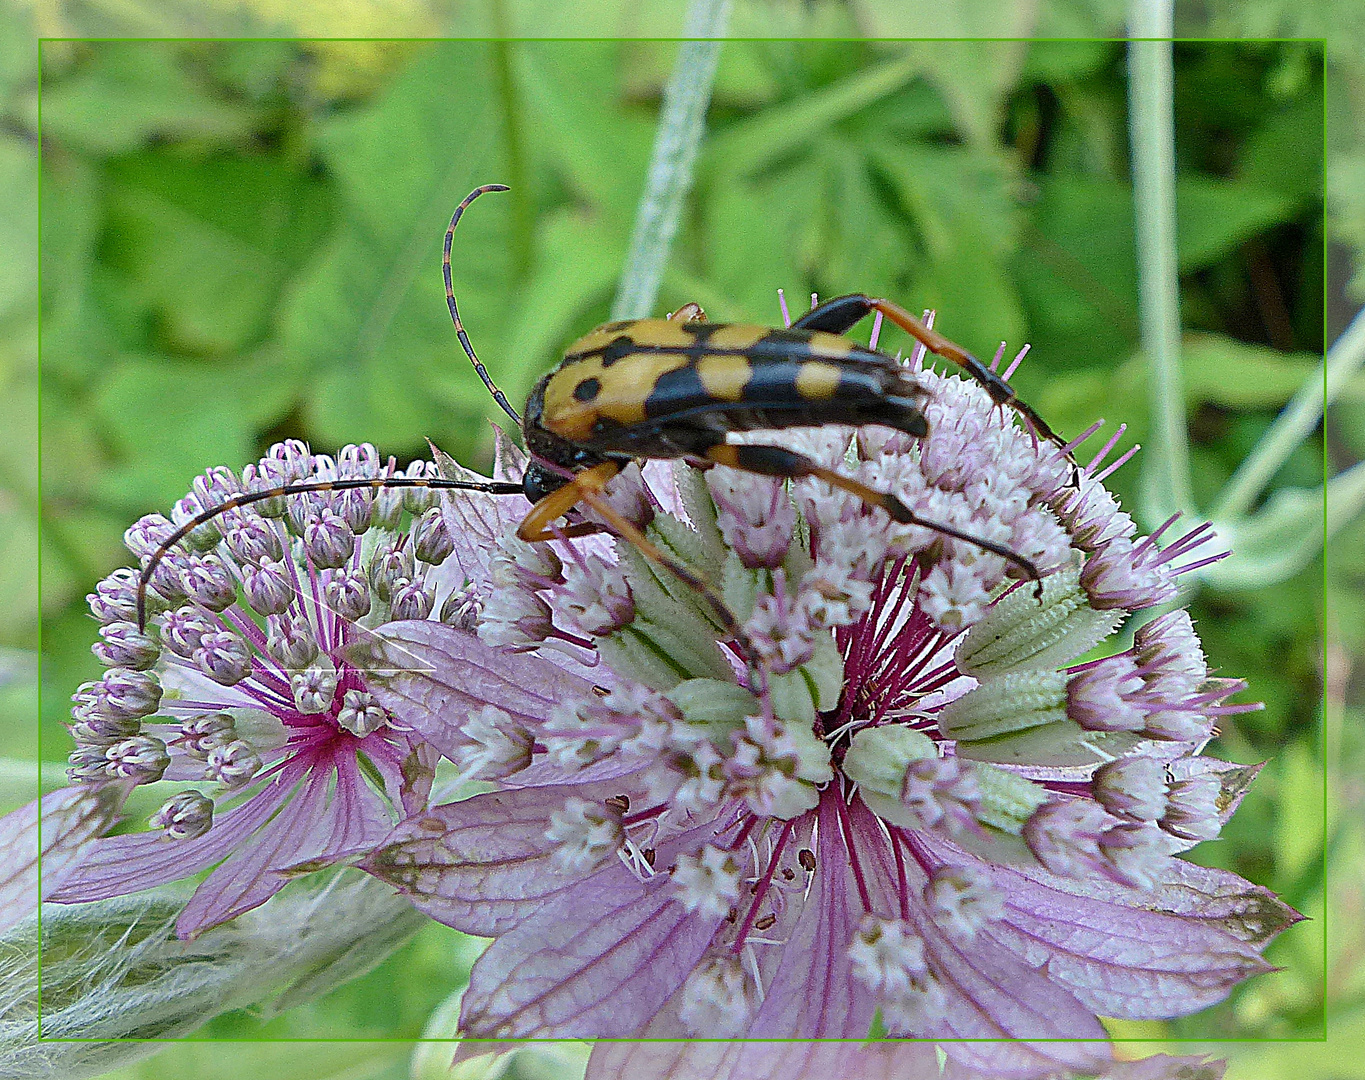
[374, 483]
[498, 395]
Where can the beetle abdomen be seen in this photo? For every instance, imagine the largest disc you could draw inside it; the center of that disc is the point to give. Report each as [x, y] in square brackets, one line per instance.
[625, 383]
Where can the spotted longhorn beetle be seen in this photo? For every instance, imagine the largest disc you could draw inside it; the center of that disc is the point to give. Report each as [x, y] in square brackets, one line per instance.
[674, 388]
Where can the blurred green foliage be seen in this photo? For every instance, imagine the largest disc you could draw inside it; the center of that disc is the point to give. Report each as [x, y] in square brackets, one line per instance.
[241, 242]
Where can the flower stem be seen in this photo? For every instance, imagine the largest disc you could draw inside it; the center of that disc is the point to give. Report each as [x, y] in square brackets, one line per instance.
[675, 151]
[1166, 473]
[1295, 423]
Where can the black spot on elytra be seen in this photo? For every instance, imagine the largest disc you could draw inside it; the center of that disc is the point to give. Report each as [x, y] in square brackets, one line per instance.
[622, 346]
[699, 329]
[587, 389]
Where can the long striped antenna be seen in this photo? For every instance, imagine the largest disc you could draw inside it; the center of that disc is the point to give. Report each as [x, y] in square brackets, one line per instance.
[498, 395]
[491, 487]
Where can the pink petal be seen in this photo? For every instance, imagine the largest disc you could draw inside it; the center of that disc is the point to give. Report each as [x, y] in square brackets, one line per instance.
[475, 522]
[243, 881]
[599, 961]
[314, 828]
[123, 864]
[481, 865]
[56, 831]
[763, 1061]
[1135, 954]
[353, 823]
[432, 676]
[991, 994]
[813, 994]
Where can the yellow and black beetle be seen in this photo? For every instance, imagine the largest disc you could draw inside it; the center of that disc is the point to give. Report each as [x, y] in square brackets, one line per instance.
[674, 388]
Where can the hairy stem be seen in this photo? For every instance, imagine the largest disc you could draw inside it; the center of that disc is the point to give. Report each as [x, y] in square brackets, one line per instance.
[1295, 423]
[675, 152]
[1166, 472]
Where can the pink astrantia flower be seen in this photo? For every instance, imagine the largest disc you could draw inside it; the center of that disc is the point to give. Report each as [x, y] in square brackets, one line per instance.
[240, 683]
[922, 817]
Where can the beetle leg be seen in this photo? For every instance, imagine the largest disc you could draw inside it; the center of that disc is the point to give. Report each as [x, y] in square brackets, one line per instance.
[837, 316]
[729, 624]
[778, 461]
[586, 487]
[536, 525]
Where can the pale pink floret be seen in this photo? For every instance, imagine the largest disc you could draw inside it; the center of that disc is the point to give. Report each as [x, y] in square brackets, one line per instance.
[749, 866]
[679, 844]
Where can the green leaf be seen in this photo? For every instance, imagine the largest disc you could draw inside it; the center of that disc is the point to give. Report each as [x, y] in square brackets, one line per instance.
[956, 198]
[204, 246]
[1214, 216]
[749, 146]
[576, 121]
[18, 225]
[368, 318]
[1052, 61]
[1285, 154]
[1235, 375]
[975, 77]
[129, 93]
[576, 264]
[745, 262]
[167, 420]
[1083, 233]
[960, 202]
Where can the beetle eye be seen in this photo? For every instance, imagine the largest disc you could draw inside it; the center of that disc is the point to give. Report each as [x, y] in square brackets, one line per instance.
[539, 481]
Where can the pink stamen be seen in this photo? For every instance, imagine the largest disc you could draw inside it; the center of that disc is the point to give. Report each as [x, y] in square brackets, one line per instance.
[782, 303]
[902, 881]
[999, 355]
[1014, 364]
[764, 884]
[846, 830]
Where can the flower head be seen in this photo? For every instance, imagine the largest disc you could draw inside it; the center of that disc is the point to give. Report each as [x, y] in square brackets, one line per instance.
[241, 683]
[883, 791]
[917, 806]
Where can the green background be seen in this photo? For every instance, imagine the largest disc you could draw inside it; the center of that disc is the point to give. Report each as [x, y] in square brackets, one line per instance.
[240, 242]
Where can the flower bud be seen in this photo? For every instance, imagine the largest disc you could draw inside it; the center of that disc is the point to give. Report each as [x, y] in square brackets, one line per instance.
[328, 541]
[142, 759]
[233, 764]
[124, 645]
[462, 609]
[431, 541]
[125, 694]
[183, 628]
[224, 657]
[88, 764]
[391, 562]
[267, 588]
[360, 714]
[187, 815]
[346, 593]
[147, 534]
[1132, 787]
[206, 580]
[411, 600]
[314, 687]
[200, 734]
[418, 500]
[203, 536]
[387, 510]
[290, 641]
